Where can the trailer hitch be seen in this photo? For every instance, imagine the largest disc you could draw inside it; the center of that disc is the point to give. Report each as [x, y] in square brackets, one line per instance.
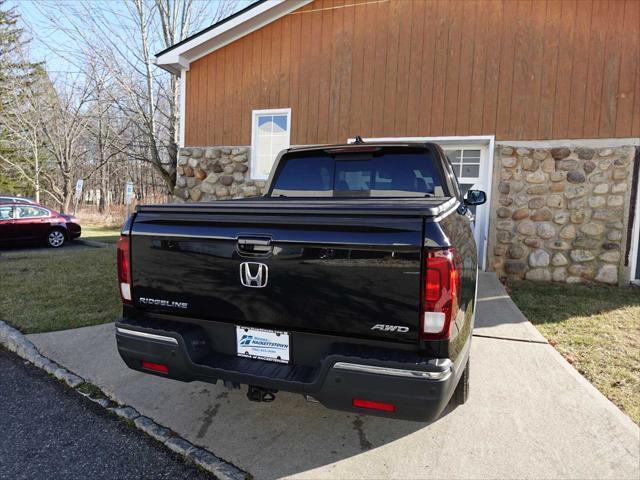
[258, 394]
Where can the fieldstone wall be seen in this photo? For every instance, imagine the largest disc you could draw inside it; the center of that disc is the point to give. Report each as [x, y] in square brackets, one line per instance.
[560, 214]
[214, 173]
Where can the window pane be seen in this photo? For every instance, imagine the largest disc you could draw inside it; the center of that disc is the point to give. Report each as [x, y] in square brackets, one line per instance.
[30, 212]
[263, 165]
[305, 176]
[271, 136]
[456, 170]
[470, 170]
[280, 123]
[471, 156]
[278, 144]
[454, 156]
[265, 123]
[392, 173]
[6, 213]
[263, 144]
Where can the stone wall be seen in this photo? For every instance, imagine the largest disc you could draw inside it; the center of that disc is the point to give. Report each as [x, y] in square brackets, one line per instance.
[214, 173]
[561, 213]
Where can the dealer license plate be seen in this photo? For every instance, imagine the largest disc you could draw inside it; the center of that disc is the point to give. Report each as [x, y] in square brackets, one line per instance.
[262, 344]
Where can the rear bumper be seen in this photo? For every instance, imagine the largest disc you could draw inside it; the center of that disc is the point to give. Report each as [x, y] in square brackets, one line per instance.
[418, 391]
[73, 231]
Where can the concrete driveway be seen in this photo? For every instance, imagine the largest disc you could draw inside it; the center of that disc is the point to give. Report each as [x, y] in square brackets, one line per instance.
[530, 414]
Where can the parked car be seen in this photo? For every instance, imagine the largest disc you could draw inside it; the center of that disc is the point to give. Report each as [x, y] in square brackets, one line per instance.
[12, 199]
[29, 222]
[351, 282]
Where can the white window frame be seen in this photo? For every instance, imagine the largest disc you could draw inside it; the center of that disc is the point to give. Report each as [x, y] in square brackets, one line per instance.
[254, 135]
[466, 147]
[481, 142]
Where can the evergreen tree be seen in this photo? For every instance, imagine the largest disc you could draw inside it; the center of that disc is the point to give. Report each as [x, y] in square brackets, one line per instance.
[14, 72]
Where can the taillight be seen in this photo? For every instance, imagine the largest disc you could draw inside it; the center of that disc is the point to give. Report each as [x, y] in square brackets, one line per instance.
[124, 268]
[441, 293]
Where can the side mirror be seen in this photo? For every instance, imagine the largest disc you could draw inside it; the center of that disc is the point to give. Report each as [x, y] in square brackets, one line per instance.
[475, 197]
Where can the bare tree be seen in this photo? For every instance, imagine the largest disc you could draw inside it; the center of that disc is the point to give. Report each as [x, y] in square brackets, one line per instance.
[64, 126]
[122, 37]
[23, 125]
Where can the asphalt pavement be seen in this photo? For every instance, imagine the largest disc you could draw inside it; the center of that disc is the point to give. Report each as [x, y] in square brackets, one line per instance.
[49, 431]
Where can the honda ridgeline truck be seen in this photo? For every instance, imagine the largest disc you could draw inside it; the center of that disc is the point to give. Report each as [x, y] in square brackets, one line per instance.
[352, 281]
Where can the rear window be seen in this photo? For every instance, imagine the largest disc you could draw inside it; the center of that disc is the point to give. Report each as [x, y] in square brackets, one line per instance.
[390, 172]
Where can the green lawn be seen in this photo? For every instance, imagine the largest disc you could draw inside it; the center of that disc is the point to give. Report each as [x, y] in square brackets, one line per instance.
[596, 328]
[47, 290]
[100, 233]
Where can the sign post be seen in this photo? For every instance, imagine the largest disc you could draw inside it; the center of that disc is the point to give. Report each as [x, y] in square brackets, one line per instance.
[128, 196]
[79, 185]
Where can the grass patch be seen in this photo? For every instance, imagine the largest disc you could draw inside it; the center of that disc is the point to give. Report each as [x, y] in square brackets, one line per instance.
[51, 290]
[101, 233]
[91, 390]
[596, 328]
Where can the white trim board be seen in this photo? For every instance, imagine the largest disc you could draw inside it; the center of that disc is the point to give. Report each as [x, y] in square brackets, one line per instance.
[179, 58]
[183, 108]
[573, 142]
[486, 172]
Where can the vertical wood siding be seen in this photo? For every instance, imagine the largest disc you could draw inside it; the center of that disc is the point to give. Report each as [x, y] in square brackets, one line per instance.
[517, 69]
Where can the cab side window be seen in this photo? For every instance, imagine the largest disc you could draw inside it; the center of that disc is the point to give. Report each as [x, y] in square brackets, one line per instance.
[6, 212]
[31, 212]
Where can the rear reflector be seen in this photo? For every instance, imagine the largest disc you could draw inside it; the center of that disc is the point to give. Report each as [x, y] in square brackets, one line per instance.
[385, 407]
[156, 367]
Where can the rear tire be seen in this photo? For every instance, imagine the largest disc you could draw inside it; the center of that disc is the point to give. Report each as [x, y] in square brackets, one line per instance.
[56, 238]
[461, 393]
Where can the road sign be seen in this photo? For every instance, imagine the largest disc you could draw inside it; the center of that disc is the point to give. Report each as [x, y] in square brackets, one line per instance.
[79, 185]
[128, 193]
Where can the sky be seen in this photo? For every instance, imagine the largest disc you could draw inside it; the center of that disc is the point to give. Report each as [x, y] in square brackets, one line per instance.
[43, 35]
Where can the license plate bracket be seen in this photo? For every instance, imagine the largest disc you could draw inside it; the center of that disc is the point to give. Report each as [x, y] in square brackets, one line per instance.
[262, 344]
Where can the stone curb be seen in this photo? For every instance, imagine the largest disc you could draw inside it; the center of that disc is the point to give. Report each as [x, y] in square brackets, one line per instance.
[18, 343]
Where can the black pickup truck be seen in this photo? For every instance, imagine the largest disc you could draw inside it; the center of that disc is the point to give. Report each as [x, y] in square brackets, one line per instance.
[351, 282]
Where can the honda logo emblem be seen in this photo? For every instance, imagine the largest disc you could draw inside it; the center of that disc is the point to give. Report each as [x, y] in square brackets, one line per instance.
[253, 274]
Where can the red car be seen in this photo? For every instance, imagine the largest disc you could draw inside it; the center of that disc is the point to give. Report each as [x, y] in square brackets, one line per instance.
[23, 223]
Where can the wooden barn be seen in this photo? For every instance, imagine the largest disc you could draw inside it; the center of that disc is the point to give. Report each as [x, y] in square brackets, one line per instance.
[535, 101]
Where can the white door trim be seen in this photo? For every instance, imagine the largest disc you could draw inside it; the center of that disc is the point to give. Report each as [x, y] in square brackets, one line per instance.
[635, 237]
[486, 171]
[183, 107]
[254, 137]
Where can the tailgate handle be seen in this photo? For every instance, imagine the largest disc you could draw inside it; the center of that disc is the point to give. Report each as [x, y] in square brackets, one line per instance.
[254, 246]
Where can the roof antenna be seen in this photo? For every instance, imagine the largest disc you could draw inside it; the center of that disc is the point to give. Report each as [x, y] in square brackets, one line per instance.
[358, 140]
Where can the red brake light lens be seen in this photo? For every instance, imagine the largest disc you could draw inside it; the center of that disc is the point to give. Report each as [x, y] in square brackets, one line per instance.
[124, 268]
[433, 284]
[441, 293]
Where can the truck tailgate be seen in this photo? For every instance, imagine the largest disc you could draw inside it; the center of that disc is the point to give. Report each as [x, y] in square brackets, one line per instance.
[340, 274]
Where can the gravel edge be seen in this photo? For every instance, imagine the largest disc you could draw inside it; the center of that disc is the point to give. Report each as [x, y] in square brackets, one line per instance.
[18, 343]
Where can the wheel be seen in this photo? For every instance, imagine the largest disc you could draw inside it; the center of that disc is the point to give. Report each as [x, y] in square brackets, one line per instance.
[461, 393]
[56, 238]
